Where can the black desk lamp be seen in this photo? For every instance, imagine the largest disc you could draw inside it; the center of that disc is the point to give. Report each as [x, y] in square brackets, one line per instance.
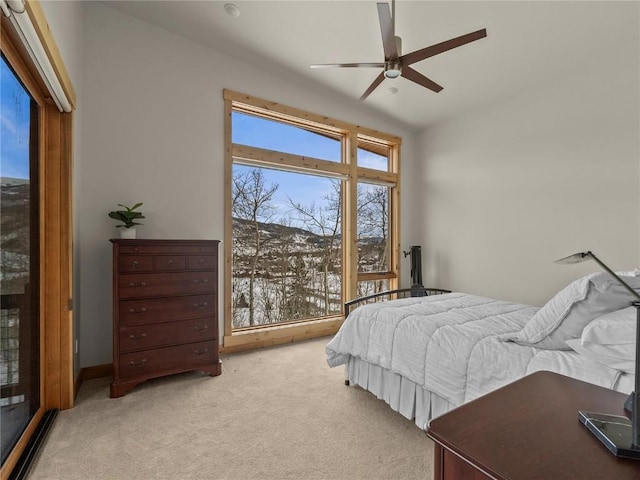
[620, 436]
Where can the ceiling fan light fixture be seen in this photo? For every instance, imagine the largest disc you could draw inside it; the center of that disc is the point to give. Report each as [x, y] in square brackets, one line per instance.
[392, 69]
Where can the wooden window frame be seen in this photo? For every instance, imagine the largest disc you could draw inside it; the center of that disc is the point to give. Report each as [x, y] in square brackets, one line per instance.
[348, 169]
[56, 250]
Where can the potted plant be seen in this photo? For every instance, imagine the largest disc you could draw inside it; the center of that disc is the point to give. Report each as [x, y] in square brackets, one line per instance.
[128, 218]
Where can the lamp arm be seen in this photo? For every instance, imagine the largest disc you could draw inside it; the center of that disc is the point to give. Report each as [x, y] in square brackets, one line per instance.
[612, 273]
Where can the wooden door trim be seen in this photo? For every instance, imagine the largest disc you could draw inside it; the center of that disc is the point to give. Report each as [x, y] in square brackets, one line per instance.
[56, 253]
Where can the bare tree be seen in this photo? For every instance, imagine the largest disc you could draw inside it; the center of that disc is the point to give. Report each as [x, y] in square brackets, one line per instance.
[325, 221]
[251, 201]
[284, 266]
[296, 304]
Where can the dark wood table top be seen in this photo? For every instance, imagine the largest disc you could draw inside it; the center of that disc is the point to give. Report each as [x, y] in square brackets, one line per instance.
[530, 430]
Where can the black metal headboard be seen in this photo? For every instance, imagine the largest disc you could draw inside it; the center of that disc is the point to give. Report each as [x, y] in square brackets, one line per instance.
[415, 291]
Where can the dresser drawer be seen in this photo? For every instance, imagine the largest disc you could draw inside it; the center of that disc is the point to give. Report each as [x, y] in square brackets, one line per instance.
[202, 262]
[163, 284]
[177, 249]
[169, 262]
[167, 358]
[142, 337]
[156, 310]
[135, 263]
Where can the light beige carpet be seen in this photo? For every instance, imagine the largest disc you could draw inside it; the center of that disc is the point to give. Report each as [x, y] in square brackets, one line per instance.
[278, 413]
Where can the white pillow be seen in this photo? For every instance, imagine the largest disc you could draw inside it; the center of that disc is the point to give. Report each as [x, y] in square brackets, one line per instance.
[630, 273]
[565, 316]
[610, 340]
[614, 328]
[620, 357]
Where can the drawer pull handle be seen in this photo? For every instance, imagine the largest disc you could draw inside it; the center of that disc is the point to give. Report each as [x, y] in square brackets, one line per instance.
[200, 328]
[170, 262]
[137, 337]
[201, 352]
[200, 306]
[201, 282]
[136, 249]
[137, 285]
[201, 261]
[138, 312]
[140, 363]
[136, 263]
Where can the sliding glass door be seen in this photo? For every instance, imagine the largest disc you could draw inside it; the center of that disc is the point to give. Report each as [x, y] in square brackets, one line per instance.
[19, 260]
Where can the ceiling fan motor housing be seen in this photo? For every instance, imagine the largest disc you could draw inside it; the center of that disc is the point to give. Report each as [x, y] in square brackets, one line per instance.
[392, 69]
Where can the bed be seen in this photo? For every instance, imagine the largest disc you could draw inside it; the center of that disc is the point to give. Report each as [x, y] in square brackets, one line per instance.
[427, 354]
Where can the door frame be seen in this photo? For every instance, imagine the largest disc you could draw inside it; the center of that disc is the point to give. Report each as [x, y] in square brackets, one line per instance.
[56, 229]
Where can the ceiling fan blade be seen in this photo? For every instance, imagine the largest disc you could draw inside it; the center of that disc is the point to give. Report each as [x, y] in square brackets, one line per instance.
[427, 52]
[348, 65]
[388, 35]
[373, 86]
[415, 76]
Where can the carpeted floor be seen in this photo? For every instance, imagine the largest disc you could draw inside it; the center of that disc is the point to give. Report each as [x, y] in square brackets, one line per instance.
[278, 413]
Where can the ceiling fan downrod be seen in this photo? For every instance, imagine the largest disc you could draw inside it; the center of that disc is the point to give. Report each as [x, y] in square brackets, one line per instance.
[393, 18]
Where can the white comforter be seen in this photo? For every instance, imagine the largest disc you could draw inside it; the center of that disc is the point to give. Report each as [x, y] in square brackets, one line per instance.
[451, 345]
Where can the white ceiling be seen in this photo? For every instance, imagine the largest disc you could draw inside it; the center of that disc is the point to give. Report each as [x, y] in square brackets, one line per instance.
[527, 42]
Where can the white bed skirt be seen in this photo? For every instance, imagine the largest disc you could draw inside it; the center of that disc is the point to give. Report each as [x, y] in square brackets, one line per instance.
[402, 395]
[411, 400]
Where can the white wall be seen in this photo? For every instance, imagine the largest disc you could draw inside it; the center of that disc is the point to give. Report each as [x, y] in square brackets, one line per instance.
[549, 172]
[539, 176]
[153, 132]
[65, 22]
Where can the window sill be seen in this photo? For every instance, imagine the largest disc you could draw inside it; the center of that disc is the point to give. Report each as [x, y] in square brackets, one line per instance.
[279, 334]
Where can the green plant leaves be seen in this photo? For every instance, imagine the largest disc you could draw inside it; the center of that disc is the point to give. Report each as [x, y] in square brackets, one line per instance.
[127, 216]
[130, 209]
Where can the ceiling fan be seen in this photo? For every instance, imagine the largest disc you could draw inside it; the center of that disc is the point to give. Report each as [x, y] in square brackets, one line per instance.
[395, 64]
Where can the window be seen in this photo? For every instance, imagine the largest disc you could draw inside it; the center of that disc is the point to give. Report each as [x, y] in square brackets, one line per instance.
[286, 246]
[374, 260]
[19, 247]
[372, 155]
[282, 137]
[311, 220]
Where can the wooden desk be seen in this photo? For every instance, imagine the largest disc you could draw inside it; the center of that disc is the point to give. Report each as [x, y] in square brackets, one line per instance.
[529, 430]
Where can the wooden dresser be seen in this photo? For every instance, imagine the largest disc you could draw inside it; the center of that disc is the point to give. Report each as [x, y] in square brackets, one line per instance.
[165, 309]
